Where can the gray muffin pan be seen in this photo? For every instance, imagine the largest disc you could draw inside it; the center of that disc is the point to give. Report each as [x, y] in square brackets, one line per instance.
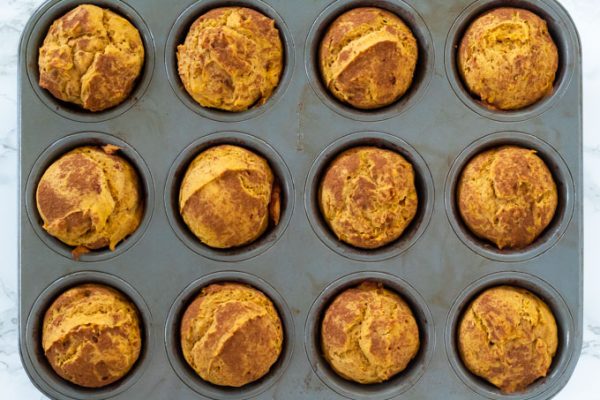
[437, 265]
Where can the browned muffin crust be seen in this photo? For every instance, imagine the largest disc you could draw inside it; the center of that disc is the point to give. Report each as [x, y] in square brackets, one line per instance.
[507, 195]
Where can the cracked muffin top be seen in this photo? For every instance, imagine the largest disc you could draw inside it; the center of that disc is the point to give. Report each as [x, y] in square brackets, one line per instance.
[368, 57]
[231, 334]
[508, 59]
[90, 198]
[369, 334]
[508, 336]
[231, 59]
[91, 57]
[368, 197]
[91, 335]
[507, 195]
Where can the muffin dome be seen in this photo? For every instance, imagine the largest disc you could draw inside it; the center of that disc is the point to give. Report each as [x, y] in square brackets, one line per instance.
[227, 196]
[91, 57]
[231, 59]
[368, 196]
[91, 335]
[368, 57]
[507, 195]
[508, 59]
[231, 334]
[508, 336]
[90, 198]
[369, 334]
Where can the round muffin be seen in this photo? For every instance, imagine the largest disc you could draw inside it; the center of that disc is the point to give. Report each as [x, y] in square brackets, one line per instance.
[91, 57]
[368, 57]
[368, 196]
[507, 195]
[508, 59]
[231, 334]
[91, 335]
[231, 59]
[90, 198]
[228, 195]
[369, 334]
[508, 336]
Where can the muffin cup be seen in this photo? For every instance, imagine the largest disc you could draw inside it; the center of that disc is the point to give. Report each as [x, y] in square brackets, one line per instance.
[563, 33]
[58, 149]
[177, 172]
[189, 376]
[423, 70]
[44, 17]
[564, 185]
[423, 183]
[398, 383]
[177, 35]
[33, 337]
[543, 388]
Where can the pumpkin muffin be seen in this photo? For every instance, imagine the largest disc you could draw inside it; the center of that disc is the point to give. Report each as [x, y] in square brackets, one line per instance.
[369, 334]
[228, 196]
[90, 198]
[508, 59]
[507, 195]
[231, 334]
[91, 335]
[91, 57]
[231, 59]
[368, 196]
[508, 336]
[368, 57]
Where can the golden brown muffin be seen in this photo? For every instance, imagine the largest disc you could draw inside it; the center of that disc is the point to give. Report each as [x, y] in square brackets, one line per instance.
[90, 198]
[231, 334]
[91, 335]
[91, 57]
[369, 334]
[507, 195]
[231, 59]
[368, 57]
[227, 196]
[508, 59]
[368, 196]
[508, 336]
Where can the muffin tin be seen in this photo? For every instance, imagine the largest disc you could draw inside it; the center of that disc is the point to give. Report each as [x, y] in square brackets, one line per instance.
[438, 266]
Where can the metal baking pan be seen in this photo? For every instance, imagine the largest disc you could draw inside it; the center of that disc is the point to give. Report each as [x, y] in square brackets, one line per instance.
[437, 265]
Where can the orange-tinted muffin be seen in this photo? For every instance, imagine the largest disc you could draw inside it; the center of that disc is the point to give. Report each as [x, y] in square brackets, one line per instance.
[368, 57]
[231, 334]
[508, 59]
[369, 334]
[368, 196]
[507, 195]
[231, 59]
[91, 335]
[508, 336]
[91, 57]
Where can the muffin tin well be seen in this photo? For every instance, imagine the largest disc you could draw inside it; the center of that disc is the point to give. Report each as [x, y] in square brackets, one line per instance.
[437, 265]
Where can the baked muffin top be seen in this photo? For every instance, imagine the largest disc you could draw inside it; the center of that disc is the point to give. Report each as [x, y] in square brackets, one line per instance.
[508, 59]
[231, 59]
[368, 197]
[369, 334]
[91, 335]
[91, 57]
[231, 334]
[90, 198]
[228, 196]
[508, 336]
[368, 57]
[507, 195]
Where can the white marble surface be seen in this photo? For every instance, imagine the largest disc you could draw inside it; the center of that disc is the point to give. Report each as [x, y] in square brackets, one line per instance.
[14, 383]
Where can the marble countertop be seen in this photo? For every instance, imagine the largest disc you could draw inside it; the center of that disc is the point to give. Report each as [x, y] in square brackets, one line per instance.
[14, 383]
